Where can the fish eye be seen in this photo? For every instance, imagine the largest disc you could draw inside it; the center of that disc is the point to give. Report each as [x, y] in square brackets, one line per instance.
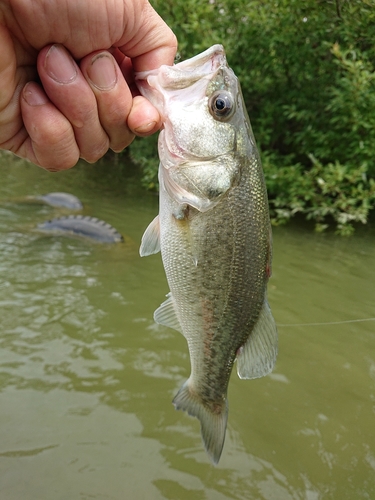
[221, 105]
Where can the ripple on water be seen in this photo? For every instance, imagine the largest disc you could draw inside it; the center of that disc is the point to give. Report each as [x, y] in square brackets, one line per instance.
[87, 378]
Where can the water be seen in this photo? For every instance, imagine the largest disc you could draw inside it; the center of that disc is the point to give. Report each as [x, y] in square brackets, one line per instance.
[87, 378]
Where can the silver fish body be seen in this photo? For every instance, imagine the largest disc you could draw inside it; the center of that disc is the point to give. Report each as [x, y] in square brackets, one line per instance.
[214, 234]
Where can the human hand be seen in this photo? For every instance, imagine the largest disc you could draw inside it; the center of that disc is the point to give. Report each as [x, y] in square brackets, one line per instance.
[66, 77]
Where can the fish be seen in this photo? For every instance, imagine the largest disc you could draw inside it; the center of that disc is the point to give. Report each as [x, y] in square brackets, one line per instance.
[60, 199]
[83, 225]
[213, 230]
[55, 199]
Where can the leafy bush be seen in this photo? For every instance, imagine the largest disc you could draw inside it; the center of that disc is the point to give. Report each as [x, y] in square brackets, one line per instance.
[333, 190]
[308, 78]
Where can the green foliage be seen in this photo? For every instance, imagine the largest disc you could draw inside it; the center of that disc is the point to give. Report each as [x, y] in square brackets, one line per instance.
[307, 70]
[143, 152]
[332, 190]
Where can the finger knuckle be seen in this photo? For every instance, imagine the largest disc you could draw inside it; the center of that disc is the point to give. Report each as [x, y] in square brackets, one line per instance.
[117, 144]
[56, 150]
[94, 153]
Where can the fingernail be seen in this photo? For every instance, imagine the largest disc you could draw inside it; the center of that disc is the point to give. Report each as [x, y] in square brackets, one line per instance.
[145, 129]
[102, 71]
[33, 95]
[59, 64]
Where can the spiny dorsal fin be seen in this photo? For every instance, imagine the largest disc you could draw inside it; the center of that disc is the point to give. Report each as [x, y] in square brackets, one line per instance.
[87, 218]
[84, 225]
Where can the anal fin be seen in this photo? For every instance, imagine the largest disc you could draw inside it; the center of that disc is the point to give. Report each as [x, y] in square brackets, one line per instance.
[257, 357]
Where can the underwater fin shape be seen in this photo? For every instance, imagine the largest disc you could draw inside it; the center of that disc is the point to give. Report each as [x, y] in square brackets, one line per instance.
[213, 423]
[166, 314]
[150, 243]
[257, 357]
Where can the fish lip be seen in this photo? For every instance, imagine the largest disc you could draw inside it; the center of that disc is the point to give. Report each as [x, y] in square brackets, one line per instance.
[181, 75]
[206, 63]
[214, 54]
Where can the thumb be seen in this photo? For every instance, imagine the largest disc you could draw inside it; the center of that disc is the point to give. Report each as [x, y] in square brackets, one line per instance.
[153, 44]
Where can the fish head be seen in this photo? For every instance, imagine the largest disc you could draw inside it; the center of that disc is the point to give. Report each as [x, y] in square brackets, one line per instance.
[205, 126]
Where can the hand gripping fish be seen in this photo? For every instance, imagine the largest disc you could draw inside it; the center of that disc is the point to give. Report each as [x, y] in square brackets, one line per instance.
[213, 230]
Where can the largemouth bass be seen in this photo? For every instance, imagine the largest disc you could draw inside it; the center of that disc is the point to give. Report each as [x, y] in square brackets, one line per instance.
[213, 230]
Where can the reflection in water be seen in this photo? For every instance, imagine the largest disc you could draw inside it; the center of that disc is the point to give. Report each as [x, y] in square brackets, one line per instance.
[87, 378]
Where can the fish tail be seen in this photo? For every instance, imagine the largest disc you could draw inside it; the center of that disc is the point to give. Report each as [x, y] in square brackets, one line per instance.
[213, 422]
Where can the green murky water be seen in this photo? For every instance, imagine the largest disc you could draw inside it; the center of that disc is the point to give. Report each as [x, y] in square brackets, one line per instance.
[87, 378]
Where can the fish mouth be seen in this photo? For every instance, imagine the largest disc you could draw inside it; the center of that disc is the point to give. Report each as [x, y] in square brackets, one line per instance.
[201, 67]
[215, 54]
[185, 73]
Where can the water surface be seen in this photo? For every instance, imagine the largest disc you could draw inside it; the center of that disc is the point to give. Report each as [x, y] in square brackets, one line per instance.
[87, 378]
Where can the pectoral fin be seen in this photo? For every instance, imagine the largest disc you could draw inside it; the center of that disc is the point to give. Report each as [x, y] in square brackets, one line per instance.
[166, 314]
[200, 184]
[258, 356]
[151, 239]
[177, 192]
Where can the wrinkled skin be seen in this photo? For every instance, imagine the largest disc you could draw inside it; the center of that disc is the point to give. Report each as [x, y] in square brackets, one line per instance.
[66, 76]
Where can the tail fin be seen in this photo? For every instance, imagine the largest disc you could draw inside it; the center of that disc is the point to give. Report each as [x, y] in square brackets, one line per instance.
[213, 424]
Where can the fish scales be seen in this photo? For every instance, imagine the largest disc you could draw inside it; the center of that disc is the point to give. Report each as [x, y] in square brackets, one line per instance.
[213, 230]
[213, 302]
